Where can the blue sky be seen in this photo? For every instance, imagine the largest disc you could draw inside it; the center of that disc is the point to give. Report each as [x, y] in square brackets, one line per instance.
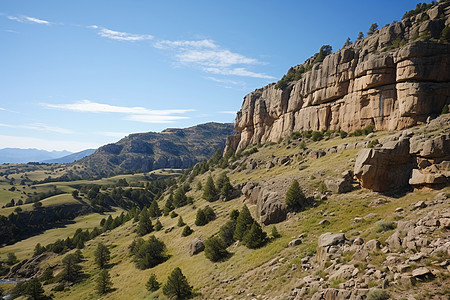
[80, 74]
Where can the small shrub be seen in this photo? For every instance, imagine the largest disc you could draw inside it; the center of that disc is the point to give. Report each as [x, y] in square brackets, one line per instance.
[275, 233]
[445, 35]
[187, 231]
[317, 136]
[342, 134]
[445, 109]
[215, 249]
[378, 294]
[152, 284]
[373, 144]
[173, 215]
[385, 226]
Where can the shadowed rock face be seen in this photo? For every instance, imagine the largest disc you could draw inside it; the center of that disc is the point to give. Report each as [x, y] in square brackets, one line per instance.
[172, 148]
[365, 83]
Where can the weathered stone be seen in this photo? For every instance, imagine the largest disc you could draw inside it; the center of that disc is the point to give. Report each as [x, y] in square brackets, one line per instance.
[270, 208]
[338, 186]
[295, 242]
[196, 246]
[343, 273]
[330, 239]
[421, 272]
[372, 245]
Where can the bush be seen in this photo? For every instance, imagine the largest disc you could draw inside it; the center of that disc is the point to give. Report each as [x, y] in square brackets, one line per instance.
[445, 35]
[180, 222]
[385, 226]
[158, 225]
[444, 109]
[177, 286]
[342, 134]
[148, 254]
[275, 233]
[200, 219]
[378, 294]
[373, 143]
[317, 136]
[187, 231]
[215, 249]
[103, 282]
[295, 199]
[173, 215]
[152, 284]
[102, 255]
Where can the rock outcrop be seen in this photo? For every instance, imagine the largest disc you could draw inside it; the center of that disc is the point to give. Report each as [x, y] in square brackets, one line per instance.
[420, 160]
[373, 81]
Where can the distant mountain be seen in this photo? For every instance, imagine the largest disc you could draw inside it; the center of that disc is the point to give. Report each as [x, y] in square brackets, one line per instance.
[172, 148]
[19, 156]
[71, 158]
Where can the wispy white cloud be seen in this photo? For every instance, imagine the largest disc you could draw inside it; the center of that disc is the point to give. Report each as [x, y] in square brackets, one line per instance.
[211, 58]
[186, 44]
[27, 19]
[227, 112]
[38, 126]
[1, 108]
[138, 114]
[10, 31]
[120, 36]
[237, 72]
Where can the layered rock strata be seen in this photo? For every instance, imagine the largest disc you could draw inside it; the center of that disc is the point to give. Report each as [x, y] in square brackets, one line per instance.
[373, 81]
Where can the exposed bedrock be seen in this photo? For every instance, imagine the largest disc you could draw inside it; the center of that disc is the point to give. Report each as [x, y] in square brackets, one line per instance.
[365, 83]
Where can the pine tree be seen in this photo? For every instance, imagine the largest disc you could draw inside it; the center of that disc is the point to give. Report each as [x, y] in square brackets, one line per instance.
[152, 284]
[154, 210]
[226, 190]
[226, 232]
[158, 225]
[360, 36]
[187, 231]
[348, 42]
[209, 190]
[200, 220]
[179, 199]
[255, 237]
[295, 199]
[34, 290]
[104, 283]
[215, 249]
[372, 29]
[243, 223]
[275, 233]
[145, 223]
[71, 270]
[209, 213]
[168, 207]
[38, 249]
[102, 255]
[221, 180]
[177, 285]
[445, 109]
[180, 222]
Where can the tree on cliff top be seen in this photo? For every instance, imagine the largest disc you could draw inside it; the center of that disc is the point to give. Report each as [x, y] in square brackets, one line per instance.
[372, 29]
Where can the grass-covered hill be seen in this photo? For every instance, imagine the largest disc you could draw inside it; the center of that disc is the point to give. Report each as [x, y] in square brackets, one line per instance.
[172, 148]
[385, 245]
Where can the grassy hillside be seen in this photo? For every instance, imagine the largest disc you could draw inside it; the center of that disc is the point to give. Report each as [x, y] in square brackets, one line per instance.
[271, 270]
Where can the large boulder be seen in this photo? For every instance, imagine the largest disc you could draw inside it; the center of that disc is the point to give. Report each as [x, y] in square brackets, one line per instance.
[330, 239]
[270, 208]
[386, 168]
[196, 246]
[338, 186]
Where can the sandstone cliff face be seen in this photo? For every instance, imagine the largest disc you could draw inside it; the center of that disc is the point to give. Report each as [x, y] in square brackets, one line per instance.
[366, 83]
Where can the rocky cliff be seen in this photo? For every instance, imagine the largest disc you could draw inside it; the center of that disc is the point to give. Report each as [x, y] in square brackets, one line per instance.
[393, 79]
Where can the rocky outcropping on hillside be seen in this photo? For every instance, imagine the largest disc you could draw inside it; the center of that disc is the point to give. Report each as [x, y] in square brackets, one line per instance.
[419, 159]
[172, 148]
[393, 79]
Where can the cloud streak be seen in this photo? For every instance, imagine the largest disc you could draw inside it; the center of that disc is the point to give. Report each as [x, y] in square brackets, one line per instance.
[26, 142]
[138, 114]
[27, 19]
[119, 35]
[211, 58]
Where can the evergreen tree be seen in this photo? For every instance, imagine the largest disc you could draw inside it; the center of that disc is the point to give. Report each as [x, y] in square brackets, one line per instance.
[200, 220]
[199, 185]
[11, 258]
[179, 199]
[209, 213]
[168, 207]
[275, 233]
[104, 283]
[372, 29]
[234, 214]
[102, 255]
[71, 270]
[226, 190]
[226, 232]
[158, 225]
[360, 36]
[221, 180]
[445, 109]
[153, 210]
[215, 249]
[348, 42]
[148, 254]
[38, 249]
[145, 223]
[445, 35]
[79, 256]
[295, 199]
[34, 290]
[177, 286]
[46, 275]
[152, 284]
[243, 223]
[181, 222]
[255, 237]
[187, 231]
[209, 190]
